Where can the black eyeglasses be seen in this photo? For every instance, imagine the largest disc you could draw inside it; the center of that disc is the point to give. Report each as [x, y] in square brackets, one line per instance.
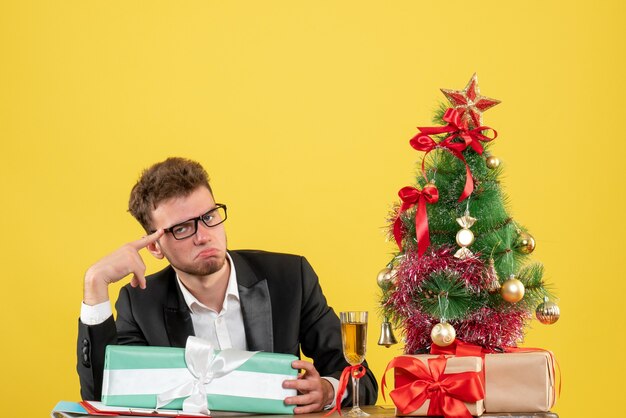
[186, 229]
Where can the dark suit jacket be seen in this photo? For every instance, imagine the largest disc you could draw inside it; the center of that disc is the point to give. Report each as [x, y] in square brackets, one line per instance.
[284, 310]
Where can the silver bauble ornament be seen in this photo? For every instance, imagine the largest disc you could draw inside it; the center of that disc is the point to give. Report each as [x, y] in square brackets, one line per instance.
[386, 277]
[526, 242]
[548, 312]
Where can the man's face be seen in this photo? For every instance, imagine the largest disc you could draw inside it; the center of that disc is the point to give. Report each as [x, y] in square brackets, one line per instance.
[201, 254]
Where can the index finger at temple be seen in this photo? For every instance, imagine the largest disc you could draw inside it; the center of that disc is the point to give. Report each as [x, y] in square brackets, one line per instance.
[143, 242]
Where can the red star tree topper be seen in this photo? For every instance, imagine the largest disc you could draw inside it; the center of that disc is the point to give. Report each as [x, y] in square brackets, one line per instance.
[470, 103]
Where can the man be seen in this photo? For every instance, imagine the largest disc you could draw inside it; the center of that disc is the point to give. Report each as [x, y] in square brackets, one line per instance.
[248, 300]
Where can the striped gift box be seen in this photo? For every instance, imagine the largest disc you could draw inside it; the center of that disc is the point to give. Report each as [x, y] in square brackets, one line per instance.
[135, 375]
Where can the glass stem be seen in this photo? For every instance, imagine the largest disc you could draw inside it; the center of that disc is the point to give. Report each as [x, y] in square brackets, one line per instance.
[355, 392]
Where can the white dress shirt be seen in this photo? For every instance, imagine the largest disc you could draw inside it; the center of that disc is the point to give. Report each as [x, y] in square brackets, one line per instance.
[222, 329]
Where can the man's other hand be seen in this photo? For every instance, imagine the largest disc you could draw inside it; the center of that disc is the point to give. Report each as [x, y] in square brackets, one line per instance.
[314, 393]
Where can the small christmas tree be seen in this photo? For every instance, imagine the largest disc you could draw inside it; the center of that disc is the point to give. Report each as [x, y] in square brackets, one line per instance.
[462, 268]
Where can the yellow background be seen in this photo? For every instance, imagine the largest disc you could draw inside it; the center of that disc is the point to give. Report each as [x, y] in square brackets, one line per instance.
[301, 112]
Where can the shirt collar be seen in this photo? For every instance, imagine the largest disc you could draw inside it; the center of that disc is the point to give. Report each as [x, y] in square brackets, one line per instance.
[231, 290]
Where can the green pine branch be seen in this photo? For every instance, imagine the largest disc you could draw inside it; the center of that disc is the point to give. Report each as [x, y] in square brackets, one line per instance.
[445, 296]
[531, 277]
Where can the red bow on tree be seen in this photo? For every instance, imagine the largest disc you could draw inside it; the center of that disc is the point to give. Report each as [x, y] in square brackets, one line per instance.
[410, 197]
[457, 129]
[447, 392]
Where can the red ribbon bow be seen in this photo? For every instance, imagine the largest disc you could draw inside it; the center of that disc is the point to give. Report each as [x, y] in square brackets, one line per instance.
[447, 392]
[425, 143]
[357, 372]
[460, 348]
[457, 129]
[410, 197]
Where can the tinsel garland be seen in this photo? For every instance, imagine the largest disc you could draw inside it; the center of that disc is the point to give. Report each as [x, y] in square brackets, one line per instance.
[493, 329]
[414, 270]
[486, 326]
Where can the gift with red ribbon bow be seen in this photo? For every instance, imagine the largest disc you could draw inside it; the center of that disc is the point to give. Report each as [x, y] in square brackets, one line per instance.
[527, 370]
[436, 385]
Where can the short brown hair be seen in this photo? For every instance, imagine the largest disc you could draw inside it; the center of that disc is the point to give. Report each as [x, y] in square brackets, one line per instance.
[174, 177]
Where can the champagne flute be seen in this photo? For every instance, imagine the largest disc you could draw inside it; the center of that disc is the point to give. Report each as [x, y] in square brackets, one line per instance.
[354, 340]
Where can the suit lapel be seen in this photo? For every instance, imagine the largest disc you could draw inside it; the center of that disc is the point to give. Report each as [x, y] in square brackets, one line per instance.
[178, 324]
[256, 307]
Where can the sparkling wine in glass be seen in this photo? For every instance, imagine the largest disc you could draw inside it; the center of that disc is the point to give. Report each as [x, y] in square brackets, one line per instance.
[354, 339]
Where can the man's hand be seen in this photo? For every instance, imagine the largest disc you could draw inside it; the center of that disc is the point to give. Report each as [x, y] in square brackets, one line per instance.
[114, 267]
[314, 393]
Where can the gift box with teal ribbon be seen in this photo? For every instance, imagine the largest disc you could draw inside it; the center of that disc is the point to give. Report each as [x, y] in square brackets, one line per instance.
[197, 378]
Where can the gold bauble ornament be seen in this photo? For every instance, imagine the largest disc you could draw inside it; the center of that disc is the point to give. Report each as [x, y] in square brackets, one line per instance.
[386, 277]
[443, 334]
[526, 242]
[548, 312]
[492, 162]
[512, 290]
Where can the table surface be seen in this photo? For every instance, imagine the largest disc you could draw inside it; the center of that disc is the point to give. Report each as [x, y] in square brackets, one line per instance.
[374, 411]
[386, 412]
